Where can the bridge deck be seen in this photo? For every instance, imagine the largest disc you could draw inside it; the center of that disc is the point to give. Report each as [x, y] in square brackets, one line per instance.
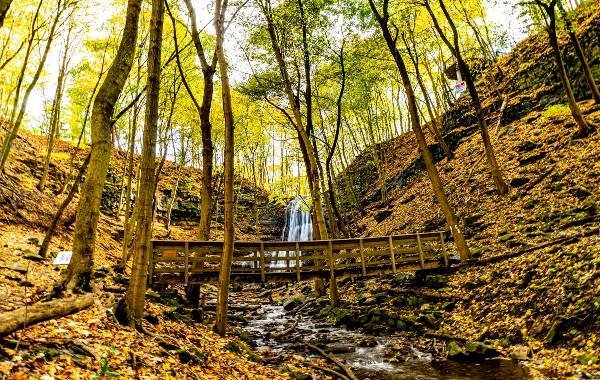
[175, 261]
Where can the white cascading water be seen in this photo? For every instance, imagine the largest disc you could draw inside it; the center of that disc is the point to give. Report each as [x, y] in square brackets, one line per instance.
[297, 227]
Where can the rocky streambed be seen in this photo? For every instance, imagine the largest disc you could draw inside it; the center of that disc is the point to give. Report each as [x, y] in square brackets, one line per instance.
[283, 332]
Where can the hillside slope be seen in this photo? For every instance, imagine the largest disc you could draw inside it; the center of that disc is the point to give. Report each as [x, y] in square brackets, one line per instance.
[545, 298]
[91, 343]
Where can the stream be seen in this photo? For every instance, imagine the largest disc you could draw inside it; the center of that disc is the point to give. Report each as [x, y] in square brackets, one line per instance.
[365, 353]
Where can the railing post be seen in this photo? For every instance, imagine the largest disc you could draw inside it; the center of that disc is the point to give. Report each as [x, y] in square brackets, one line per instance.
[362, 257]
[333, 292]
[421, 255]
[186, 262]
[262, 262]
[151, 264]
[444, 253]
[297, 261]
[392, 254]
[287, 260]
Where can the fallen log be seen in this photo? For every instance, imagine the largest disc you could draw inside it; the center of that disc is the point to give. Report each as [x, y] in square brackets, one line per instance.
[14, 320]
[329, 371]
[277, 335]
[334, 360]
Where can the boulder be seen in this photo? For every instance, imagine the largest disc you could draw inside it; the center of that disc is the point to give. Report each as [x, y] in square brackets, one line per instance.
[480, 350]
[454, 351]
[17, 267]
[292, 303]
[519, 352]
[32, 256]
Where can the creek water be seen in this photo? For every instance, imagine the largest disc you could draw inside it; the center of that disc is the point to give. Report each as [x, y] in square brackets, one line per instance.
[367, 354]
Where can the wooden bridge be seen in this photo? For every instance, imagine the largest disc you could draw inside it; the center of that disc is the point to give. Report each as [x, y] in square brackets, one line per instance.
[191, 262]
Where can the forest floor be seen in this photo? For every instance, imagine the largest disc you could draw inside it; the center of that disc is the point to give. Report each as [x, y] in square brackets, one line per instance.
[91, 343]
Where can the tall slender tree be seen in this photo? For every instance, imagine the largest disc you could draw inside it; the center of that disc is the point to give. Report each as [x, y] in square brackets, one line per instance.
[134, 299]
[383, 19]
[224, 273]
[549, 9]
[78, 274]
[454, 47]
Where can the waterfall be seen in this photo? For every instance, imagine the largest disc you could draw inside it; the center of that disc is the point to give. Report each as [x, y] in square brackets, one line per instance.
[297, 227]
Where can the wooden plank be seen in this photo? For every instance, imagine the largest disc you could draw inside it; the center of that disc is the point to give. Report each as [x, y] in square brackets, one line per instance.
[362, 257]
[287, 260]
[444, 253]
[262, 262]
[297, 262]
[392, 255]
[421, 255]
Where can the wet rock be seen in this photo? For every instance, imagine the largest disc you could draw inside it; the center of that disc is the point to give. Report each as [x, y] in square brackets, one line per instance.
[152, 295]
[340, 348]
[454, 351]
[480, 350]
[428, 320]
[436, 280]
[519, 352]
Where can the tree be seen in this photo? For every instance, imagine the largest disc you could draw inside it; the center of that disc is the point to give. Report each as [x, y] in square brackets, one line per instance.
[78, 274]
[4, 6]
[585, 66]
[55, 112]
[17, 118]
[134, 299]
[454, 47]
[549, 9]
[226, 259]
[459, 240]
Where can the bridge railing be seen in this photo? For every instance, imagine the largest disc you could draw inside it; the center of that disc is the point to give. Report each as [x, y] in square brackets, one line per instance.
[175, 261]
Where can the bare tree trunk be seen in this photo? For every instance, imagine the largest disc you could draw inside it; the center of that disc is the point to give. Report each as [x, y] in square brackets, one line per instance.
[134, 299]
[459, 240]
[78, 274]
[584, 127]
[585, 66]
[225, 271]
[54, 130]
[63, 206]
[501, 186]
[338, 126]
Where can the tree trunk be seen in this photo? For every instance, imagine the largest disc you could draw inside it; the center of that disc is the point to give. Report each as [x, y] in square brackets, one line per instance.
[501, 186]
[63, 206]
[12, 321]
[54, 130]
[4, 5]
[78, 273]
[459, 240]
[584, 127]
[225, 271]
[134, 299]
[585, 66]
